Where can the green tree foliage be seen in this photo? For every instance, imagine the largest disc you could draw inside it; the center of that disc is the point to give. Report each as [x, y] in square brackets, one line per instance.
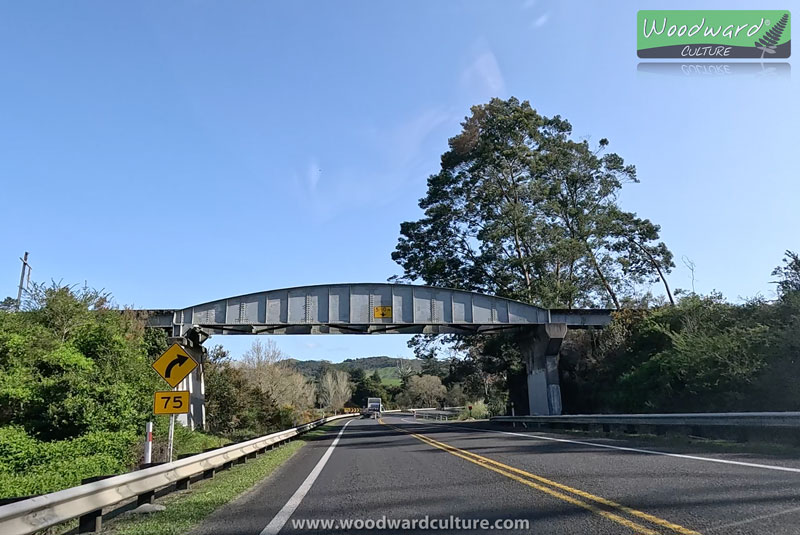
[788, 275]
[425, 391]
[366, 386]
[75, 389]
[70, 364]
[703, 355]
[521, 210]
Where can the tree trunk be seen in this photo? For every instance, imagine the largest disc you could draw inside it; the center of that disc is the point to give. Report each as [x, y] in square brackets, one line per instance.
[603, 278]
[658, 269]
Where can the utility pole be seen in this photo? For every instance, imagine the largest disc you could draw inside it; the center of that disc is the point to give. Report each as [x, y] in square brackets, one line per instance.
[26, 267]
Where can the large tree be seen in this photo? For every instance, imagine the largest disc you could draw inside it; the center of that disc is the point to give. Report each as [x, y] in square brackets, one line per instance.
[425, 391]
[520, 209]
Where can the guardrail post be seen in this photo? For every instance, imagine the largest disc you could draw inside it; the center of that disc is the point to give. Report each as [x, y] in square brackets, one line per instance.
[209, 474]
[145, 498]
[92, 521]
[184, 484]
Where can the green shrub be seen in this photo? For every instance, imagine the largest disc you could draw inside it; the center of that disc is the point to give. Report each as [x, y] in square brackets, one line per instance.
[57, 475]
[18, 450]
[479, 411]
[31, 466]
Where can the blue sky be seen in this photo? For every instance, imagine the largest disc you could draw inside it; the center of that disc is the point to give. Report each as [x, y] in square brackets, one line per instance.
[179, 152]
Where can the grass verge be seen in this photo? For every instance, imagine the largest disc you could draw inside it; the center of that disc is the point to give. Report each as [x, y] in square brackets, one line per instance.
[187, 509]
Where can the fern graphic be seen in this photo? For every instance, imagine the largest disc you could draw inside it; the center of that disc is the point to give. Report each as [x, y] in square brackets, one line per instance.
[769, 41]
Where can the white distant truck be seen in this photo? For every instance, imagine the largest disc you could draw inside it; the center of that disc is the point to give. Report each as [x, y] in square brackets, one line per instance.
[374, 407]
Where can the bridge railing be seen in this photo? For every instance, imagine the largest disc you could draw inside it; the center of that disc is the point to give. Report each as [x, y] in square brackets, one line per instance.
[86, 502]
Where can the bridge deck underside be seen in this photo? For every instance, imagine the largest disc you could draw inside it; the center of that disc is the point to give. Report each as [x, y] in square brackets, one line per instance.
[358, 329]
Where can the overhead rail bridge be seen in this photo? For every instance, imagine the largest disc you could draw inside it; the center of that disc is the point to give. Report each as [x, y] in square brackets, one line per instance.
[386, 308]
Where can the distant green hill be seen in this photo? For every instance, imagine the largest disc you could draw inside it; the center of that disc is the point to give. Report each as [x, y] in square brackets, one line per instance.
[386, 366]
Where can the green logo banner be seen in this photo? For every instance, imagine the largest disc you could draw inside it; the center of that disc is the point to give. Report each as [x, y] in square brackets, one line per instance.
[713, 34]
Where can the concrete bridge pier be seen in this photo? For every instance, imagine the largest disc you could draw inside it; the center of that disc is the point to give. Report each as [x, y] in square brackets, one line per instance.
[539, 346]
[191, 339]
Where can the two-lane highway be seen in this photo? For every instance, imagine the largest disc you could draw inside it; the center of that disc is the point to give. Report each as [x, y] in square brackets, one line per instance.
[399, 475]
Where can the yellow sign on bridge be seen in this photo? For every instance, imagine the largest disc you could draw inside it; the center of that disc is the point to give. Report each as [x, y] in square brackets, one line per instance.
[383, 312]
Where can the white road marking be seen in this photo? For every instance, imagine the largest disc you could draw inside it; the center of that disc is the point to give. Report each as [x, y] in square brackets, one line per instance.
[726, 527]
[277, 523]
[624, 448]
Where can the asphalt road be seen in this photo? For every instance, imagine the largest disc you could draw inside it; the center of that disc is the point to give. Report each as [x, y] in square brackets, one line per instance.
[399, 469]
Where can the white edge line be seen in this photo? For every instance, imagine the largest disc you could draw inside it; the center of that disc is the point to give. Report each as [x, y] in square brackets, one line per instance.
[624, 448]
[279, 520]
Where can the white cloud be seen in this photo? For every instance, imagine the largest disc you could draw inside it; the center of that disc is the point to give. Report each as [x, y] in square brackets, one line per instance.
[541, 21]
[484, 75]
[313, 175]
[395, 152]
[408, 137]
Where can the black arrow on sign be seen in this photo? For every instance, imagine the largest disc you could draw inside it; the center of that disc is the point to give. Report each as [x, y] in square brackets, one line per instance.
[178, 361]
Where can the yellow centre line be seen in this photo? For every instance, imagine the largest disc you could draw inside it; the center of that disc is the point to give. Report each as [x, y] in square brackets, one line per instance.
[519, 475]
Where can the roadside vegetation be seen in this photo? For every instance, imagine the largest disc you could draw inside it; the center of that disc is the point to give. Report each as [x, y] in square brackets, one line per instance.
[704, 354]
[76, 389]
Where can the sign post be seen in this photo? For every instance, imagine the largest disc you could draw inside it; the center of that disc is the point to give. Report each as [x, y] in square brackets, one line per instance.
[171, 402]
[171, 436]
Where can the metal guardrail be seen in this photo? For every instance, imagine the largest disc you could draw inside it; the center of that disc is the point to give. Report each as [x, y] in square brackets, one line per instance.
[31, 515]
[445, 414]
[717, 419]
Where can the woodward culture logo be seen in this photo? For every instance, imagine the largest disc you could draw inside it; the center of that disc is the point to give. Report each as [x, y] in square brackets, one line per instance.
[764, 34]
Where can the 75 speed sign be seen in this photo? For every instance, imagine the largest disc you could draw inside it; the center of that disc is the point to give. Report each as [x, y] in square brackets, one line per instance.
[171, 402]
